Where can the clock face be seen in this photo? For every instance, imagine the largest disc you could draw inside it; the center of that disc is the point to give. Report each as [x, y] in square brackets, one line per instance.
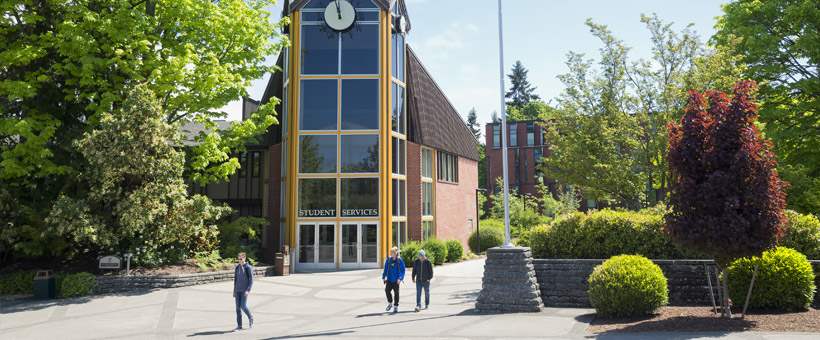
[340, 15]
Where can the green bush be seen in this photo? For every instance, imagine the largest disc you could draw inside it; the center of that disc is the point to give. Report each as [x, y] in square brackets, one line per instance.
[490, 237]
[454, 250]
[435, 250]
[18, 282]
[409, 252]
[492, 223]
[627, 285]
[77, 285]
[802, 234]
[784, 280]
[231, 236]
[603, 234]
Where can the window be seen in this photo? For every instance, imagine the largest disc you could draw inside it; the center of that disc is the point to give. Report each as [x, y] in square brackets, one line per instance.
[256, 167]
[399, 233]
[320, 51]
[517, 167]
[360, 197]
[427, 230]
[447, 167]
[243, 164]
[284, 113]
[397, 109]
[317, 154]
[329, 53]
[283, 203]
[399, 198]
[283, 171]
[530, 134]
[399, 156]
[426, 163]
[427, 199]
[360, 153]
[398, 57]
[317, 197]
[496, 136]
[537, 162]
[513, 135]
[319, 104]
[360, 50]
[360, 104]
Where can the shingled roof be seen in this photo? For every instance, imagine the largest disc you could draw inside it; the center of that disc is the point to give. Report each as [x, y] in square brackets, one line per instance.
[432, 119]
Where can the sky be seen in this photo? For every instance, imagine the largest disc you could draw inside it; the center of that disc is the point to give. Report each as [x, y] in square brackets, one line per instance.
[457, 41]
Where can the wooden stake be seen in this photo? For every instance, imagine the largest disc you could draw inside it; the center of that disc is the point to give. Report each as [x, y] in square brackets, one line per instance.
[711, 291]
[749, 294]
[726, 292]
[720, 292]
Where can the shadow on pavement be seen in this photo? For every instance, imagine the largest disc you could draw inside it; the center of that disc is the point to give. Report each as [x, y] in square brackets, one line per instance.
[351, 329]
[8, 307]
[210, 333]
[309, 335]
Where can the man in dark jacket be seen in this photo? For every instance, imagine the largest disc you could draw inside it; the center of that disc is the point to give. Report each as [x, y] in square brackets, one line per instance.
[422, 274]
[242, 283]
[392, 276]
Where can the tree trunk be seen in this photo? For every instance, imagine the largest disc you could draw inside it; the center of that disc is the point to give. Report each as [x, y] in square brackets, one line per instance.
[726, 293]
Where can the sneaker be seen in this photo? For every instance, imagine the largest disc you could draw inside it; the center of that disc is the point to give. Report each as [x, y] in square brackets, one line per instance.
[238, 328]
[389, 305]
[417, 309]
[251, 324]
[426, 306]
[395, 309]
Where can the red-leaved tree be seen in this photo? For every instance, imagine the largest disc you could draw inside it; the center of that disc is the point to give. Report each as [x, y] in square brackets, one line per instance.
[726, 199]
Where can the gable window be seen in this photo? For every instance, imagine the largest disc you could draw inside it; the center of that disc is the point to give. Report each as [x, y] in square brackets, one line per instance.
[447, 167]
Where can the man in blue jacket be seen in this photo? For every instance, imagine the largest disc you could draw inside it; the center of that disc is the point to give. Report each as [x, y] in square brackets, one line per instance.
[242, 283]
[392, 276]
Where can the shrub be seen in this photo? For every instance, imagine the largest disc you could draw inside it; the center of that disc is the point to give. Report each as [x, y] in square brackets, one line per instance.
[231, 236]
[409, 252]
[627, 285]
[492, 223]
[784, 280]
[77, 285]
[490, 237]
[802, 234]
[209, 261]
[603, 234]
[454, 250]
[435, 250]
[18, 282]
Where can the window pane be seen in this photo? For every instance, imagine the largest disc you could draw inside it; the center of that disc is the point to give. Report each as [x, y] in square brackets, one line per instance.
[530, 134]
[320, 51]
[427, 198]
[316, 4]
[363, 4]
[317, 154]
[397, 108]
[394, 65]
[399, 156]
[318, 105]
[349, 243]
[243, 164]
[317, 197]
[496, 136]
[313, 16]
[399, 206]
[327, 236]
[360, 153]
[513, 135]
[256, 168]
[367, 16]
[360, 50]
[360, 104]
[400, 57]
[360, 197]
[283, 202]
[426, 163]
[284, 158]
[307, 243]
[399, 233]
[284, 113]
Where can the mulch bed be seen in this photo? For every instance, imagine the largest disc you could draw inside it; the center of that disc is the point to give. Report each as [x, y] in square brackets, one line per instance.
[702, 319]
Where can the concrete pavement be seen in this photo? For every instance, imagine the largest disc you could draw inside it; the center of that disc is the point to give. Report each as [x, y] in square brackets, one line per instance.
[343, 304]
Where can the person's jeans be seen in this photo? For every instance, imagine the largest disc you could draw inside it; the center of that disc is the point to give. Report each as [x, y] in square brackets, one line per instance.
[426, 287]
[394, 287]
[242, 306]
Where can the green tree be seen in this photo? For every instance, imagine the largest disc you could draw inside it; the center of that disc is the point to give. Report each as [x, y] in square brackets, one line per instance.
[494, 117]
[63, 64]
[521, 91]
[780, 45]
[607, 136]
[534, 110]
[473, 124]
[134, 198]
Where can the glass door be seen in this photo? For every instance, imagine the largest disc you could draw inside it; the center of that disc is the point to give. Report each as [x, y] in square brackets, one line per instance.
[316, 246]
[359, 245]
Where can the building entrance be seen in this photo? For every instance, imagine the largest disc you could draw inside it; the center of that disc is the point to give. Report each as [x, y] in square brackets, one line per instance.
[316, 245]
[359, 245]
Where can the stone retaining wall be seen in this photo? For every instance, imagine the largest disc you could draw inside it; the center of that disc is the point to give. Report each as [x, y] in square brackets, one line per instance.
[563, 282]
[121, 283]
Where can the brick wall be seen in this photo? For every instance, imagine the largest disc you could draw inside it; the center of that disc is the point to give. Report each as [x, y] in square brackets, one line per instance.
[455, 203]
[273, 203]
[414, 198]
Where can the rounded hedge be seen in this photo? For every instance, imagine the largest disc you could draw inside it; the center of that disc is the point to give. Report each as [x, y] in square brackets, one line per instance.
[21, 281]
[454, 250]
[436, 250]
[784, 280]
[802, 234]
[77, 285]
[409, 252]
[627, 285]
[490, 237]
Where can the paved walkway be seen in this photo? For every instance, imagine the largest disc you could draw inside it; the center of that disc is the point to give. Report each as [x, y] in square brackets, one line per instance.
[345, 304]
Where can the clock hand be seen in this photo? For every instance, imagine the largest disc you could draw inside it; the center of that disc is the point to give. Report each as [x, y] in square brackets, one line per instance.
[338, 9]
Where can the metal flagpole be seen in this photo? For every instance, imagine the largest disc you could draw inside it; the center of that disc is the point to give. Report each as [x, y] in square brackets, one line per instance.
[507, 243]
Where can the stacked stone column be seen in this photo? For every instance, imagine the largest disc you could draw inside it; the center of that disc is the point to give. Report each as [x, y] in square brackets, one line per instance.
[509, 283]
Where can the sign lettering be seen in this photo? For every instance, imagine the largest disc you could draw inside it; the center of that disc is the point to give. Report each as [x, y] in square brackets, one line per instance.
[317, 213]
[110, 262]
[360, 212]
